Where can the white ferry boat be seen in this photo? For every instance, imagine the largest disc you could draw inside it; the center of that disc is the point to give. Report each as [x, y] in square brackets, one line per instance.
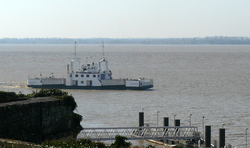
[89, 76]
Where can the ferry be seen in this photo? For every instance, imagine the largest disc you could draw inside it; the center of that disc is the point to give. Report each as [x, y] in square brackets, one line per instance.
[89, 76]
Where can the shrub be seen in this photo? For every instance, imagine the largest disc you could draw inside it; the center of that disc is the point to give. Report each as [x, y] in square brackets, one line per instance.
[48, 92]
[7, 96]
[76, 121]
[67, 99]
[73, 144]
[120, 142]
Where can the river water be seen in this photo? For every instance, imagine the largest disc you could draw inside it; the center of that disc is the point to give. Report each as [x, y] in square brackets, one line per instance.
[203, 80]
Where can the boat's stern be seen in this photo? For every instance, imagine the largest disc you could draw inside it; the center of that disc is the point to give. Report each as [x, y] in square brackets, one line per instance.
[34, 82]
[146, 83]
[141, 83]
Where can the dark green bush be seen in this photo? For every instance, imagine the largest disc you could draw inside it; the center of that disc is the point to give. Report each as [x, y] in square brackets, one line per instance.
[21, 95]
[7, 97]
[67, 99]
[73, 144]
[120, 142]
[48, 92]
[77, 120]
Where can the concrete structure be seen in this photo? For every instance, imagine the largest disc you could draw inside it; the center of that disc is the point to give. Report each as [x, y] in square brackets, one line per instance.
[34, 120]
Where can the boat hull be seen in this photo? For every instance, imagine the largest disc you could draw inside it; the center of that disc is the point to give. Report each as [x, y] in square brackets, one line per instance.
[112, 87]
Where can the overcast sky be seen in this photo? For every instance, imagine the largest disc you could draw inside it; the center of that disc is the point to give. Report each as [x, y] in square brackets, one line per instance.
[124, 18]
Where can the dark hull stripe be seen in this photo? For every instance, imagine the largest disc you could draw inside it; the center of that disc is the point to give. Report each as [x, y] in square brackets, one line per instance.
[117, 87]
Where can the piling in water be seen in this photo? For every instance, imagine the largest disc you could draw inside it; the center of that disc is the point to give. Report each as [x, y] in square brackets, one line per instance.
[222, 137]
[165, 121]
[141, 119]
[177, 122]
[208, 135]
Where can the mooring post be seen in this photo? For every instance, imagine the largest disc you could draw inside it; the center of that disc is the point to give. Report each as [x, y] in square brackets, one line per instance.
[177, 122]
[165, 123]
[141, 119]
[208, 136]
[222, 137]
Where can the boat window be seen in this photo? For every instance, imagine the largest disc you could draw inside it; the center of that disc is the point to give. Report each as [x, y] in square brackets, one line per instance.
[70, 75]
[82, 75]
[94, 76]
[103, 76]
[76, 75]
[87, 75]
[82, 82]
[98, 75]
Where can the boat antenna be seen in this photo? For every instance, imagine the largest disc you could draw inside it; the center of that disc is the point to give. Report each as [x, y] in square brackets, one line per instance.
[102, 50]
[75, 49]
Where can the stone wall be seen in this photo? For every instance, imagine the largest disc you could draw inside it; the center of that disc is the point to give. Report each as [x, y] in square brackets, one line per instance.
[34, 120]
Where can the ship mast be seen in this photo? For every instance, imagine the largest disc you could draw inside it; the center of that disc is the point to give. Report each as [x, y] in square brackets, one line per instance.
[75, 49]
[75, 62]
[103, 51]
[103, 59]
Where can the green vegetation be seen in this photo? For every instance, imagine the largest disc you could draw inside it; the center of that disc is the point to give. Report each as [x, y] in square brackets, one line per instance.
[8, 97]
[120, 142]
[68, 99]
[77, 120]
[4, 94]
[177, 146]
[12, 96]
[73, 144]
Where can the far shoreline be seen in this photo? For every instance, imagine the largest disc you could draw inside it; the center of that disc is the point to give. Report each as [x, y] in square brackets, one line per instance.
[213, 40]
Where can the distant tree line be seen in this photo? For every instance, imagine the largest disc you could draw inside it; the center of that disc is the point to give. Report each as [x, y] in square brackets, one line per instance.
[196, 40]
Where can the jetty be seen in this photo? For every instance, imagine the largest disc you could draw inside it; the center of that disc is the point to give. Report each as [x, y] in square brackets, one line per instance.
[168, 136]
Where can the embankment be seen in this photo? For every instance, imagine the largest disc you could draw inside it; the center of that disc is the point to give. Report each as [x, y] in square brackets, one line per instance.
[35, 119]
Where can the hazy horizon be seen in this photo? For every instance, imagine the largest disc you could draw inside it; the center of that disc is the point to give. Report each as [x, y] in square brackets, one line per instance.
[124, 19]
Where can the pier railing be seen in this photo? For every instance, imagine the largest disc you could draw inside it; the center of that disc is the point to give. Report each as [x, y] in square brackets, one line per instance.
[141, 133]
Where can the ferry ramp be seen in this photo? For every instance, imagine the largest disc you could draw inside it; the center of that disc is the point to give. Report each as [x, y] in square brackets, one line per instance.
[141, 133]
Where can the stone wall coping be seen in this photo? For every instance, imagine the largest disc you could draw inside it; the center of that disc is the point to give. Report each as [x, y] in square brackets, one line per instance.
[30, 101]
